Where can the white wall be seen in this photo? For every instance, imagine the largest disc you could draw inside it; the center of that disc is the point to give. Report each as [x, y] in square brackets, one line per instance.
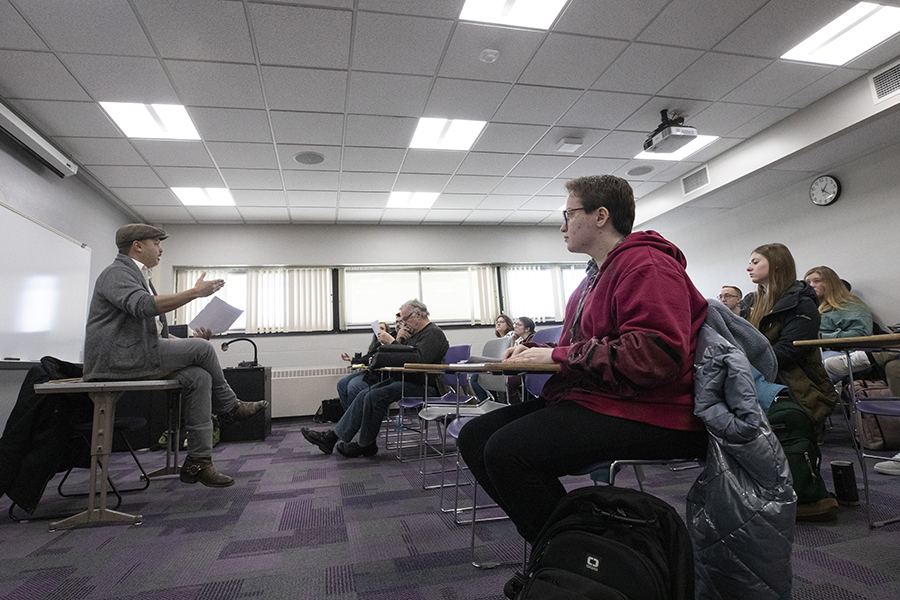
[857, 236]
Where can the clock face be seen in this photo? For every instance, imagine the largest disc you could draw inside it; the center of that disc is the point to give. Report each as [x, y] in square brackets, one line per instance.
[824, 190]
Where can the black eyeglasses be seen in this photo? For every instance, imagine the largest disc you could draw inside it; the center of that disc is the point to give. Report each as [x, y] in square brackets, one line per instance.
[570, 212]
[723, 296]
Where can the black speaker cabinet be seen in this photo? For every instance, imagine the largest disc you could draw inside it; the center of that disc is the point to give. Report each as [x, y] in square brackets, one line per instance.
[251, 384]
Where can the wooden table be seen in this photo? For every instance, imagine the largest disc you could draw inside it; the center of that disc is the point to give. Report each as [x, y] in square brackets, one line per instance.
[104, 395]
[889, 341]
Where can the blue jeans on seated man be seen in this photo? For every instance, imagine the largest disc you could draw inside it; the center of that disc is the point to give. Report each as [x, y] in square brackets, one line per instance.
[480, 392]
[366, 412]
[349, 387]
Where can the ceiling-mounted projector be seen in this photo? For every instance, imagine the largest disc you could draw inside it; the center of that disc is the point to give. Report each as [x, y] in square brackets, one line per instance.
[670, 135]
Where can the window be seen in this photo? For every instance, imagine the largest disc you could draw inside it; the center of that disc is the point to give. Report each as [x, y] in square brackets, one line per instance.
[539, 291]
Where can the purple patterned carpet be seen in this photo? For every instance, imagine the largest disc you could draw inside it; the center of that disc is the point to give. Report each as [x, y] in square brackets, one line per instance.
[302, 525]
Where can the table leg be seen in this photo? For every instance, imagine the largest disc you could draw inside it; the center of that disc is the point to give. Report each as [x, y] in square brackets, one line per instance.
[101, 448]
[173, 410]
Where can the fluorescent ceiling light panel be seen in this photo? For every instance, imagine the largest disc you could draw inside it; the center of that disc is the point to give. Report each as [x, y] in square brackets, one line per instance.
[412, 199]
[536, 14]
[154, 121]
[204, 196]
[859, 29]
[446, 134]
[701, 141]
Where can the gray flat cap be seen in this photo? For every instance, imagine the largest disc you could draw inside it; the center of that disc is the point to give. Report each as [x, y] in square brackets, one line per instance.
[137, 231]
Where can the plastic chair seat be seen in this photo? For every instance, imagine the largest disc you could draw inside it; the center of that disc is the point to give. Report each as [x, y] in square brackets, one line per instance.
[886, 408]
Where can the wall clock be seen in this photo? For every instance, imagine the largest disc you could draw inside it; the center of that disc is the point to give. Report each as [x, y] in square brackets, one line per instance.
[825, 190]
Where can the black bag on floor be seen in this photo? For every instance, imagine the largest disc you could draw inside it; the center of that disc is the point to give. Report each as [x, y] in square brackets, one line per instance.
[330, 411]
[797, 434]
[605, 543]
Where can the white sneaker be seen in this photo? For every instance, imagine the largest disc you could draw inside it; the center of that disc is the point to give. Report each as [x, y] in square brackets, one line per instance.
[889, 467]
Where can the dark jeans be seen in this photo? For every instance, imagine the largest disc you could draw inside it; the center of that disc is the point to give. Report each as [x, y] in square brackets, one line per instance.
[519, 452]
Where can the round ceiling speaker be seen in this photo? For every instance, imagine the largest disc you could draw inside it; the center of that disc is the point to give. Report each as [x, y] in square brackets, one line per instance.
[638, 171]
[309, 158]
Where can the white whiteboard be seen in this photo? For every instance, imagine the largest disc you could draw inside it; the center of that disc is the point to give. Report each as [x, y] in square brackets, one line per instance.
[44, 283]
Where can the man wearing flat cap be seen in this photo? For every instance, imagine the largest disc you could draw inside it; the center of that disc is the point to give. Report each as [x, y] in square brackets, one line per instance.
[127, 338]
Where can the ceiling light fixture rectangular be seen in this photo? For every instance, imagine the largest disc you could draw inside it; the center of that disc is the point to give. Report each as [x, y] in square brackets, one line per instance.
[446, 134]
[701, 141]
[859, 29]
[412, 199]
[152, 121]
[204, 196]
[535, 14]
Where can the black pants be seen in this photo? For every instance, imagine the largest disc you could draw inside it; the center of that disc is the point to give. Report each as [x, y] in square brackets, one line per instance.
[519, 452]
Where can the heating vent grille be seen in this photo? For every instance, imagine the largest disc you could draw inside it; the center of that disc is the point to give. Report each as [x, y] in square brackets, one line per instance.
[308, 372]
[886, 83]
[695, 180]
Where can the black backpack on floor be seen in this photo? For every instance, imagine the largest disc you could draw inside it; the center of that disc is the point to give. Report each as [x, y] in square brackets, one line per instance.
[605, 543]
[797, 435]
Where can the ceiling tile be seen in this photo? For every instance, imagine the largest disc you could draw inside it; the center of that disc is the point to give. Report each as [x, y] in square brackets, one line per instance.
[448, 9]
[528, 216]
[379, 132]
[267, 214]
[292, 88]
[231, 124]
[307, 128]
[37, 75]
[404, 215]
[460, 201]
[359, 215]
[721, 118]
[459, 99]
[216, 84]
[488, 216]
[697, 23]
[836, 79]
[472, 184]
[99, 151]
[58, 118]
[367, 182]
[190, 177]
[122, 78]
[252, 179]
[504, 137]
[243, 155]
[542, 166]
[379, 94]
[301, 36]
[777, 82]
[646, 187]
[602, 110]
[165, 214]
[310, 198]
[99, 26]
[311, 180]
[214, 214]
[488, 163]
[141, 177]
[15, 32]
[169, 153]
[649, 117]
[432, 161]
[447, 216]
[314, 215]
[535, 104]
[764, 120]
[571, 60]
[267, 198]
[198, 30]
[713, 76]
[468, 41]
[619, 144]
[147, 196]
[592, 17]
[593, 166]
[545, 203]
[415, 182]
[494, 202]
[646, 68]
[364, 199]
[372, 159]
[287, 157]
[521, 185]
[399, 44]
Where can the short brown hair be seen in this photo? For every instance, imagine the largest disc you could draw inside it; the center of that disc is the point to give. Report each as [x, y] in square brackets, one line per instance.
[610, 192]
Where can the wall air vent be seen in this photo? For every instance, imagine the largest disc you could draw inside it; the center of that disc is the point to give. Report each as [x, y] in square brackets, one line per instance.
[694, 181]
[885, 83]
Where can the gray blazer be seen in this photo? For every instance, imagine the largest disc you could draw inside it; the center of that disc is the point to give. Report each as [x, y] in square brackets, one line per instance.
[120, 339]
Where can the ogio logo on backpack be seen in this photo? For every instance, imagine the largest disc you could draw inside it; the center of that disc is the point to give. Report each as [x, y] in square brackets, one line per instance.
[593, 563]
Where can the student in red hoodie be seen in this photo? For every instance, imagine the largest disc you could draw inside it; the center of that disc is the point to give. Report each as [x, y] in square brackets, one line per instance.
[625, 389]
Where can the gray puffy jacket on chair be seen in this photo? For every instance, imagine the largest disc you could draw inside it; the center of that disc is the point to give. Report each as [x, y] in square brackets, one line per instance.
[741, 510]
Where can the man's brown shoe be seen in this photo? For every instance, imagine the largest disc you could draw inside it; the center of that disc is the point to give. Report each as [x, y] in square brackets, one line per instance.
[245, 410]
[201, 469]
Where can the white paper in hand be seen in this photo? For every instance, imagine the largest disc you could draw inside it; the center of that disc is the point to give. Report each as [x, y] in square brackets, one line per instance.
[217, 316]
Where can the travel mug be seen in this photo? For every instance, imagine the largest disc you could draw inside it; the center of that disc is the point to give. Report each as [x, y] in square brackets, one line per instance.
[844, 482]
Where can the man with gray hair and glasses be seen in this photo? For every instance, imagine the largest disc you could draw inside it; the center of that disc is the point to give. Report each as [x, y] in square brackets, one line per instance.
[366, 412]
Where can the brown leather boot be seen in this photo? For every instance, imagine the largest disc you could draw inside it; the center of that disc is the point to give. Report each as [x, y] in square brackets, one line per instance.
[245, 410]
[200, 468]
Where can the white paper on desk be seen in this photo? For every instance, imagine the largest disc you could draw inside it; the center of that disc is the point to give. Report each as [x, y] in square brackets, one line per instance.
[217, 316]
[376, 327]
